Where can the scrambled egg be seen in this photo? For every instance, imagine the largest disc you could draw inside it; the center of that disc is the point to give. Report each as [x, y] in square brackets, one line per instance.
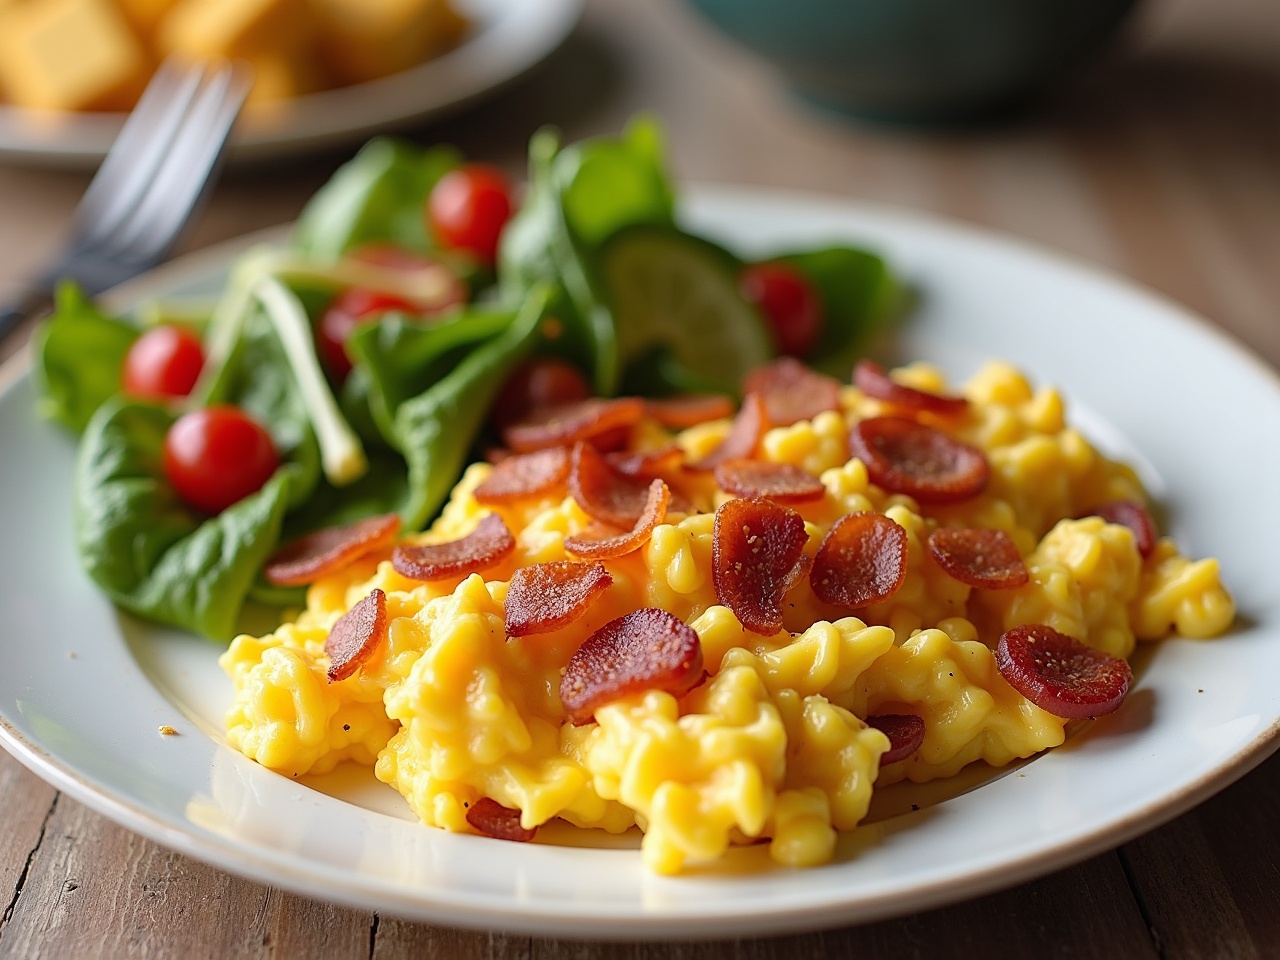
[773, 745]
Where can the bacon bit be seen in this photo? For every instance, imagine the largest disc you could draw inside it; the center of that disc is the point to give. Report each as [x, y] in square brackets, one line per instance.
[611, 441]
[1061, 675]
[1133, 515]
[646, 650]
[602, 492]
[491, 819]
[905, 732]
[871, 379]
[488, 544]
[328, 551]
[524, 475]
[904, 456]
[689, 410]
[779, 482]
[757, 555]
[792, 392]
[648, 465]
[547, 596]
[564, 425]
[862, 560]
[603, 543]
[981, 558]
[356, 636]
[749, 428]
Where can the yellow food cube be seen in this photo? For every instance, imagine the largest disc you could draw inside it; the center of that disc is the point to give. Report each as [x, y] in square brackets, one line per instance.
[70, 55]
[145, 15]
[279, 77]
[213, 29]
[366, 39]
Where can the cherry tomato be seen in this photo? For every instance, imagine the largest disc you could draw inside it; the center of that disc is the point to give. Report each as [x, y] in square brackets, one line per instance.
[468, 208]
[789, 302]
[164, 362]
[540, 382]
[217, 456]
[348, 310]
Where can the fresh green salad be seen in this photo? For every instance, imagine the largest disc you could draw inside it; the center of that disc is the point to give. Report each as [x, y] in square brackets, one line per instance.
[356, 369]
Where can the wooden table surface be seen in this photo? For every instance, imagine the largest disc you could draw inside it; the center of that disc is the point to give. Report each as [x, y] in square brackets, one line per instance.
[1161, 163]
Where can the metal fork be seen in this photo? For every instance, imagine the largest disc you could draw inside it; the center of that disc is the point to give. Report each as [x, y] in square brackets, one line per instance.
[152, 179]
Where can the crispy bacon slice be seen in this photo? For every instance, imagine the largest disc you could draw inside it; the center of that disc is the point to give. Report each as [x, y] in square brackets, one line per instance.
[779, 482]
[988, 559]
[524, 475]
[1061, 675]
[490, 818]
[862, 560]
[689, 410]
[486, 546]
[646, 650]
[547, 596]
[357, 636]
[649, 464]
[792, 392]
[749, 428]
[1133, 515]
[602, 492]
[565, 425]
[757, 555]
[603, 543]
[904, 456]
[905, 732]
[327, 551]
[871, 379]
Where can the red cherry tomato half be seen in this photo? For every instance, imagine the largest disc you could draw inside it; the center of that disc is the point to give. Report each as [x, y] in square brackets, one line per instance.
[468, 208]
[217, 456]
[163, 362]
[541, 382]
[348, 310]
[789, 302]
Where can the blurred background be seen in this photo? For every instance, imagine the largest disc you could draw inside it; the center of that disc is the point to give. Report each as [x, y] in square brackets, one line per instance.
[1156, 153]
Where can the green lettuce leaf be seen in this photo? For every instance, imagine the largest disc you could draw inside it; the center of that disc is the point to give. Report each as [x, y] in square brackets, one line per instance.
[378, 195]
[79, 354]
[148, 551]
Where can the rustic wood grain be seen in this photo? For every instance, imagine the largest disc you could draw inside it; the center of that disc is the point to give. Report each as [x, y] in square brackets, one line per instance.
[95, 889]
[1209, 880]
[1162, 163]
[27, 804]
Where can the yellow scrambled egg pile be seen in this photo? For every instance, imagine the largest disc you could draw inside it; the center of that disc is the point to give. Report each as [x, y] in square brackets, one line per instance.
[772, 745]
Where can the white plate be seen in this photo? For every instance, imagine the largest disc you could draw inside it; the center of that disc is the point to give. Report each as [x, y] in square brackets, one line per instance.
[508, 37]
[83, 690]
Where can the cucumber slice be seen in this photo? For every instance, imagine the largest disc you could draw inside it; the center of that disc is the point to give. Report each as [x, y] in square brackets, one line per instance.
[677, 295]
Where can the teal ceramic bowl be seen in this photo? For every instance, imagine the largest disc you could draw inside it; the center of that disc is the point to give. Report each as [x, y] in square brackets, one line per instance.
[919, 61]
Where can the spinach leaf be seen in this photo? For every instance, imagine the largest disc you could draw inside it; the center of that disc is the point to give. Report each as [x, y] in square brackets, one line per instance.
[79, 353]
[579, 196]
[436, 429]
[258, 378]
[399, 357]
[861, 297]
[378, 195]
[147, 550]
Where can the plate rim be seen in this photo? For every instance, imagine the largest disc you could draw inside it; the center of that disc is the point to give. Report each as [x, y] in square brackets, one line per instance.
[614, 921]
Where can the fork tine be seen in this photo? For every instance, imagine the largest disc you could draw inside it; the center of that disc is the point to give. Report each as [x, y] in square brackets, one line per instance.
[130, 165]
[177, 185]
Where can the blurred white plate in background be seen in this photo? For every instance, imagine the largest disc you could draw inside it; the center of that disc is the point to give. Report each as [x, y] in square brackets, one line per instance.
[507, 38]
